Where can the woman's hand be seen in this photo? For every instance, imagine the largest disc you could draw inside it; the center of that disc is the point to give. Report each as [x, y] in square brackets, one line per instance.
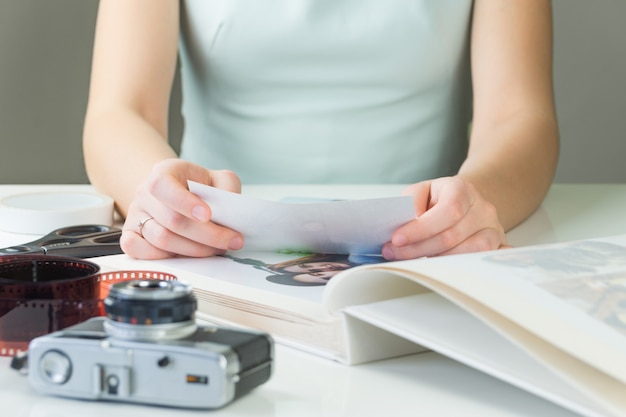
[451, 217]
[165, 219]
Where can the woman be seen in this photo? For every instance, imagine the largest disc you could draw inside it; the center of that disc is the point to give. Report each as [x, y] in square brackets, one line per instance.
[324, 91]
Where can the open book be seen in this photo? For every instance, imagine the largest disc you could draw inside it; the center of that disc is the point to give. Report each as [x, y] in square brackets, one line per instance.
[550, 319]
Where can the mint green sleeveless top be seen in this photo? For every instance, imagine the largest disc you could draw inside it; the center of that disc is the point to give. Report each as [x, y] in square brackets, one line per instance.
[326, 91]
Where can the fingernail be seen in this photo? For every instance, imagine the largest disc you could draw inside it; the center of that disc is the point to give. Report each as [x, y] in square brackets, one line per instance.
[388, 253]
[236, 243]
[200, 213]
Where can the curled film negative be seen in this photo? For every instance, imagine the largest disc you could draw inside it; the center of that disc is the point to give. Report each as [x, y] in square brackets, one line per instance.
[40, 294]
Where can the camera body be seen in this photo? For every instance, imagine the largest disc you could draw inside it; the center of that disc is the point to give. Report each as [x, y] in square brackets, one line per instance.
[172, 362]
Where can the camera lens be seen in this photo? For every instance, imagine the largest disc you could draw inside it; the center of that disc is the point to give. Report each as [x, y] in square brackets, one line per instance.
[150, 310]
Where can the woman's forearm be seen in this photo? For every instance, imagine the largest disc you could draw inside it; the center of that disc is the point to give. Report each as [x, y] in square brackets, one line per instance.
[514, 142]
[120, 149]
[515, 168]
[134, 63]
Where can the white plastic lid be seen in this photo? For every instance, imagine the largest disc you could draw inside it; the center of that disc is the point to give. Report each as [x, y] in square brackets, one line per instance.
[41, 212]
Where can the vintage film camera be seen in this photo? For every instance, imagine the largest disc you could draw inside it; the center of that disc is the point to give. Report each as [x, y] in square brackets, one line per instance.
[149, 350]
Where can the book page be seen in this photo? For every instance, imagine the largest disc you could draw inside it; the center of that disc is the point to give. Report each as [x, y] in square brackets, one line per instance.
[273, 283]
[568, 294]
[437, 324]
[544, 289]
[539, 298]
[588, 275]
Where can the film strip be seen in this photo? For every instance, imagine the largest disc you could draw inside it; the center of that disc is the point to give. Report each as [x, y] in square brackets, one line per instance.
[40, 294]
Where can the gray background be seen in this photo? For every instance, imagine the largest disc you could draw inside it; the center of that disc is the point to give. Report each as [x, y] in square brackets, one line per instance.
[45, 56]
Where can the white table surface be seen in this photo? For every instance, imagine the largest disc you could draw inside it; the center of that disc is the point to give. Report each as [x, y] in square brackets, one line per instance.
[425, 384]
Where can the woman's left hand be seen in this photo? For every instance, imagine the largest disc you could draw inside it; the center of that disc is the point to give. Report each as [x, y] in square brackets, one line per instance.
[451, 216]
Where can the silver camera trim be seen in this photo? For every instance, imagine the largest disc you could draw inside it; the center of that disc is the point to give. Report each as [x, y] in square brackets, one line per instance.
[150, 333]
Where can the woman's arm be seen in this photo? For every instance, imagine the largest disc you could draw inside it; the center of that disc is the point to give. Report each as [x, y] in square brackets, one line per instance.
[133, 68]
[514, 141]
[125, 137]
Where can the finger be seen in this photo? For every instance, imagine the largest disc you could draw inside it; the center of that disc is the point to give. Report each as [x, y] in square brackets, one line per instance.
[421, 202]
[154, 241]
[132, 241]
[421, 196]
[204, 233]
[442, 226]
[446, 209]
[173, 232]
[170, 192]
[225, 180]
[416, 245]
[173, 192]
[137, 247]
[427, 247]
[166, 240]
[482, 240]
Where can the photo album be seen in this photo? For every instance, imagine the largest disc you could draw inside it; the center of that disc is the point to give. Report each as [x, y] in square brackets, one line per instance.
[549, 319]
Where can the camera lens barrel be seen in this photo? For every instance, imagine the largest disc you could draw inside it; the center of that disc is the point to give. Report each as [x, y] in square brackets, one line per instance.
[150, 302]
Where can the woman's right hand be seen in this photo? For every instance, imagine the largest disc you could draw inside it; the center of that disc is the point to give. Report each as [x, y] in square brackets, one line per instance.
[165, 219]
